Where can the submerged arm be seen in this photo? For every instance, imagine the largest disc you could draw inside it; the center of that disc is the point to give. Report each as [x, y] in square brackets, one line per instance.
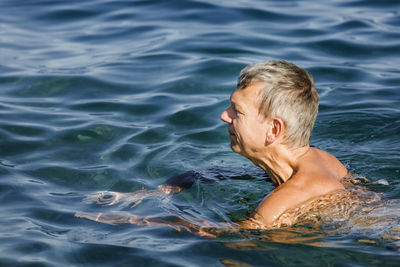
[132, 199]
[199, 227]
[171, 186]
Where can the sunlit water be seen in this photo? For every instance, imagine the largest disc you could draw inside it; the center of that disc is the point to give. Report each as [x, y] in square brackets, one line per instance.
[122, 95]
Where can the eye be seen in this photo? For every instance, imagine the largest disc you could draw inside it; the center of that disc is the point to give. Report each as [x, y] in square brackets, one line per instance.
[239, 112]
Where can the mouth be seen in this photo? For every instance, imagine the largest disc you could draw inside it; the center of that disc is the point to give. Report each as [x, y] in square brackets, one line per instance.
[232, 136]
[233, 139]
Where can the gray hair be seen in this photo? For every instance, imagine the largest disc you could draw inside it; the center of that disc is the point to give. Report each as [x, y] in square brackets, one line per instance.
[289, 94]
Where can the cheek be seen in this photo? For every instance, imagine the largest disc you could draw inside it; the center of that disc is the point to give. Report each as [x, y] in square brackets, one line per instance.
[254, 132]
[243, 130]
[239, 126]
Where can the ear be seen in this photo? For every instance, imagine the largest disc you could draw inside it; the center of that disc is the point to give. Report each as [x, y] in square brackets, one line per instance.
[275, 130]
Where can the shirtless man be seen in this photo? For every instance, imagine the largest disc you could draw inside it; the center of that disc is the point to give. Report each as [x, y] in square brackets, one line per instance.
[270, 120]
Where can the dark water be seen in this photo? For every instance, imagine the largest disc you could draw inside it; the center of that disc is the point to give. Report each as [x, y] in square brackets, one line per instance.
[121, 95]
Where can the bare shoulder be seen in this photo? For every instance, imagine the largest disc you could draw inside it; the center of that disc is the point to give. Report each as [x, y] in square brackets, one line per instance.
[292, 194]
[330, 162]
[318, 173]
[278, 201]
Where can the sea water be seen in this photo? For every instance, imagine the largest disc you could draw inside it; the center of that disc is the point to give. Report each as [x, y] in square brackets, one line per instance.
[122, 95]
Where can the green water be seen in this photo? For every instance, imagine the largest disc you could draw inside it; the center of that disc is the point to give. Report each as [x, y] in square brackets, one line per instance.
[122, 95]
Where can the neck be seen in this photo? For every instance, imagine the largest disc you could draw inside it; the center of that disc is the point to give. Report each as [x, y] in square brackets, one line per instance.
[279, 161]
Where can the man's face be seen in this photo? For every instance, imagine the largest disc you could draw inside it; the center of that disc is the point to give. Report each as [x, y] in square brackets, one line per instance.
[247, 128]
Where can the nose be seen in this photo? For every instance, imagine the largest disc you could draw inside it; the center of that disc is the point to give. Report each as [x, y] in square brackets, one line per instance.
[225, 116]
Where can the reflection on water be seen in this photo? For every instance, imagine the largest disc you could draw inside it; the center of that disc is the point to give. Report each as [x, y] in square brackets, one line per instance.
[100, 95]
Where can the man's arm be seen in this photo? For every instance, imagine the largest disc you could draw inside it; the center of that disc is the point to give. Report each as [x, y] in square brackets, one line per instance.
[196, 226]
[173, 185]
[269, 209]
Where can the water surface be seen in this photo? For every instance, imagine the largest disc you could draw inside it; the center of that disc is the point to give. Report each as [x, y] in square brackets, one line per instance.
[121, 95]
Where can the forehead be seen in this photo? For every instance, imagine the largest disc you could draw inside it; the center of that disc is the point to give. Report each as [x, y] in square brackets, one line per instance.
[247, 95]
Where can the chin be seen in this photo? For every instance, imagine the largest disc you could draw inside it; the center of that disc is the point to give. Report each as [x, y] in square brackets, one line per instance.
[235, 148]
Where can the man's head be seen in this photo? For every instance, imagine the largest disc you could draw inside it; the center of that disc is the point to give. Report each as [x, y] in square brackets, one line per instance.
[272, 90]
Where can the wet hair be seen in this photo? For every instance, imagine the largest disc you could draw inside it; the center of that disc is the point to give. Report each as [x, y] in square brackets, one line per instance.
[288, 93]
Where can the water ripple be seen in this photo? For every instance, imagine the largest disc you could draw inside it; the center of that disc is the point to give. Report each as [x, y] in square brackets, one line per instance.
[122, 95]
